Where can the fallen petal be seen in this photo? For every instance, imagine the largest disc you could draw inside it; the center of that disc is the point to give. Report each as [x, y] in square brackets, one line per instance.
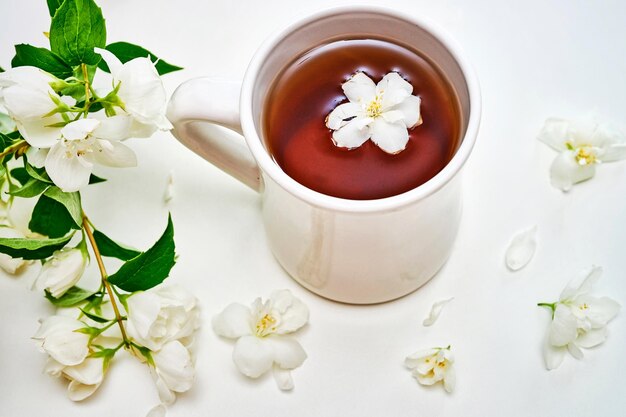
[157, 411]
[283, 378]
[435, 311]
[521, 249]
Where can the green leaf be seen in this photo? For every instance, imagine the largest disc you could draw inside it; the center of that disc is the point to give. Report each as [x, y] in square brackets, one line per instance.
[53, 5]
[71, 201]
[32, 248]
[94, 179]
[126, 51]
[151, 267]
[28, 55]
[94, 317]
[51, 218]
[32, 188]
[78, 27]
[72, 297]
[37, 173]
[21, 175]
[108, 247]
[1, 69]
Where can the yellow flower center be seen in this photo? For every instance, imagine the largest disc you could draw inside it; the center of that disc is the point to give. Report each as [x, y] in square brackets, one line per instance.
[584, 154]
[583, 306]
[375, 108]
[265, 325]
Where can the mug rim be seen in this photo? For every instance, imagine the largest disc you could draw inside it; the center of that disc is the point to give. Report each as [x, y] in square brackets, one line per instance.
[272, 169]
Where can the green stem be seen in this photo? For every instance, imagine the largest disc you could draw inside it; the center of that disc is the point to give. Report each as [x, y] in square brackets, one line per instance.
[87, 87]
[103, 273]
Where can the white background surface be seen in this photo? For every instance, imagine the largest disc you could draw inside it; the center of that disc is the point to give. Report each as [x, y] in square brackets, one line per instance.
[535, 59]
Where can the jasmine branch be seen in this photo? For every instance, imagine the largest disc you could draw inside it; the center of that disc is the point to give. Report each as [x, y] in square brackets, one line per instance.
[103, 273]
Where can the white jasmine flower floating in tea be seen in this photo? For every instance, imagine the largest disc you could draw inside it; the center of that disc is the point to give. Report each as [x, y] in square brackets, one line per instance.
[261, 333]
[433, 365]
[582, 145]
[382, 112]
[578, 319]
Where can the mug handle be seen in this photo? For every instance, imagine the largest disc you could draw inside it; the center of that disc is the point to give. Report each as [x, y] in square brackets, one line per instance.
[205, 115]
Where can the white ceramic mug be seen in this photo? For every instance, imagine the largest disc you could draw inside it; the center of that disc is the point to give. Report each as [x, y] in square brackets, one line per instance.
[354, 251]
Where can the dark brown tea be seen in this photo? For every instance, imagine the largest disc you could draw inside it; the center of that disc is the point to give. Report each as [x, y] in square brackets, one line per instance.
[309, 88]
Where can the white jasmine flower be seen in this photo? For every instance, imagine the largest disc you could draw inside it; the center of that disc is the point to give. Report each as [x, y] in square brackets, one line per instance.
[62, 271]
[581, 146]
[84, 143]
[85, 378]
[59, 337]
[141, 93]
[579, 319]
[521, 249]
[383, 112]
[433, 365]
[173, 370]
[28, 97]
[161, 315]
[8, 264]
[435, 311]
[261, 332]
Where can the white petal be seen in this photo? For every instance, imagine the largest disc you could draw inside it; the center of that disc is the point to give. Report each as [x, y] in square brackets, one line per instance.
[565, 171]
[157, 411]
[575, 351]
[390, 137]
[79, 129]
[143, 93]
[581, 284]
[78, 392]
[38, 133]
[563, 328]
[169, 188]
[521, 249]
[114, 128]
[68, 173]
[287, 352]
[293, 313]
[614, 153]
[359, 88]
[166, 395]
[24, 102]
[8, 264]
[342, 114]
[89, 372]
[114, 154]
[435, 311]
[174, 366]
[591, 338]
[410, 111]
[555, 133]
[143, 310]
[394, 90]
[600, 310]
[253, 356]
[62, 271]
[353, 134]
[449, 380]
[553, 355]
[114, 64]
[37, 156]
[233, 322]
[283, 378]
[142, 130]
